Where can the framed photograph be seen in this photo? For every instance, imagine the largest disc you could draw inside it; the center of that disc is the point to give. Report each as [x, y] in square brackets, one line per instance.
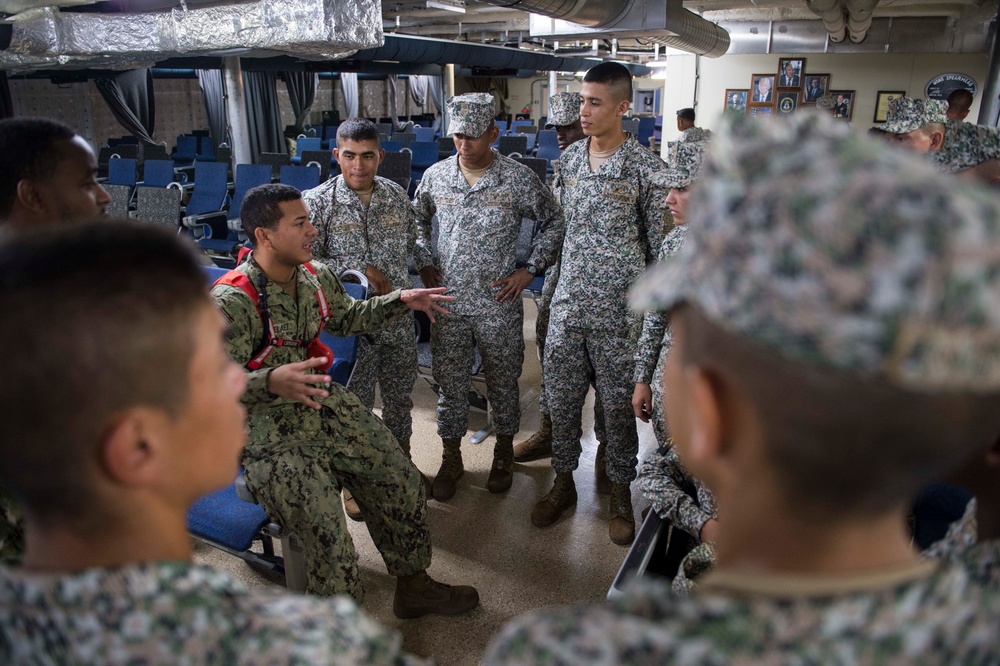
[736, 100]
[761, 89]
[844, 106]
[814, 86]
[787, 103]
[760, 110]
[790, 71]
[882, 103]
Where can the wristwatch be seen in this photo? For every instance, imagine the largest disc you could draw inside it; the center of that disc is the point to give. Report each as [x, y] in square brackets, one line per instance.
[532, 270]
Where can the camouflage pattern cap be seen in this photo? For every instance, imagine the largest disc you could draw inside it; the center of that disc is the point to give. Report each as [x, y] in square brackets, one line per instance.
[564, 109]
[685, 167]
[906, 114]
[826, 101]
[866, 261]
[471, 114]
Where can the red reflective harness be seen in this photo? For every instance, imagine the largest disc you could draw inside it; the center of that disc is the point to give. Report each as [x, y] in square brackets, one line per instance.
[314, 348]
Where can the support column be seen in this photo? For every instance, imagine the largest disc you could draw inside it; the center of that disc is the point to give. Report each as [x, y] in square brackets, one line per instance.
[236, 110]
[989, 107]
[449, 92]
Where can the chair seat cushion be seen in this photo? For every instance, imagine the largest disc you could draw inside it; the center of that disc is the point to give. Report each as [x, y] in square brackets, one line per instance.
[222, 517]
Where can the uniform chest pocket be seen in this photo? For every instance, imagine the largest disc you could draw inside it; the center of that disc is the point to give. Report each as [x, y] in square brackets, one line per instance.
[442, 200]
[620, 193]
[342, 229]
[498, 200]
[392, 221]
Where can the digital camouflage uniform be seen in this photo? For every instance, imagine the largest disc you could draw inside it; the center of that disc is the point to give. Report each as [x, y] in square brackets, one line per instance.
[965, 145]
[351, 236]
[478, 231]
[11, 529]
[178, 613]
[296, 457]
[564, 109]
[866, 263]
[613, 230]
[690, 135]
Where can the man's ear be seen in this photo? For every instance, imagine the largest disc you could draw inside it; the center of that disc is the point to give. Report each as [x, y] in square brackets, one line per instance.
[623, 107]
[261, 236]
[132, 447]
[29, 196]
[937, 140]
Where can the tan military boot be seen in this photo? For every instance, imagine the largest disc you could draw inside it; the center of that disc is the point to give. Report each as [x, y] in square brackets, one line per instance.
[428, 490]
[351, 507]
[561, 497]
[451, 470]
[538, 445]
[420, 594]
[621, 526]
[603, 483]
[502, 472]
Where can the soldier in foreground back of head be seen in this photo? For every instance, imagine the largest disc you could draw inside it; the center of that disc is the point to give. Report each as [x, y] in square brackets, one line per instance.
[836, 347]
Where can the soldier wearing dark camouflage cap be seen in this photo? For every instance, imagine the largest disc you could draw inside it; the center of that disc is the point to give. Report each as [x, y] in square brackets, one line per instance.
[836, 347]
[952, 145]
[480, 199]
[615, 215]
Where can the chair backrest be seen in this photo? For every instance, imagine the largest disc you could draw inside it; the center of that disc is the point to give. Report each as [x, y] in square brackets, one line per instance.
[275, 161]
[547, 152]
[158, 173]
[396, 167]
[515, 143]
[536, 164]
[300, 177]
[307, 143]
[630, 125]
[424, 154]
[121, 171]
[532, 138]
[423, 133]
[187, 146]
[159, 206]
[392, 146]
[127, 150]
[527, 129]
[446, 146]
[320, 158]
[345, 349]
[120, 196]
[502, 124]
[103, 155]
[154, 152]
[210, 188]
[248, 176]
[547, 138]
[385, 128]
[520, 123]
[206, 149]
[405, 138]
[330, 132]
[224, 154]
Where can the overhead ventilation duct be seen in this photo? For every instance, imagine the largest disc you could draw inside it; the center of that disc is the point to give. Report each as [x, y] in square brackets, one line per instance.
[311, 29]
[661, 21]
[845, 17]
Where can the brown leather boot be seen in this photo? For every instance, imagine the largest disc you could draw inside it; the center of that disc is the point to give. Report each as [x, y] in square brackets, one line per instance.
[621, 526]
[451, 470]
[601, 479]
[420, 594]
[538, 445]
[428, 490]
[351, 507]
[502, 472]
[561, 497]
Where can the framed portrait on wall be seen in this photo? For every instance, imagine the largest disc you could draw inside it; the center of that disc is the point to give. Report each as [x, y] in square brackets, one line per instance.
[843, 108]
[761, 89]
[787, 103]
[814, 86]
[760, 110]
[882, 103]
[736, 100]
[790, 71]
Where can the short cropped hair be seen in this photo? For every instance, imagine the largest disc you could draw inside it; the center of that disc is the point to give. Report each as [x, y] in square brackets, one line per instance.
[358, 129]
[27, 148]
[960, 100]
[840, 444]
[261, 208]
[98, 318]
[615, 76]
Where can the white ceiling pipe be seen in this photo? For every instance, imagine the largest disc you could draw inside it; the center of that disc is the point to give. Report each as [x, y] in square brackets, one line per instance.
[832, 13]
[859, 18]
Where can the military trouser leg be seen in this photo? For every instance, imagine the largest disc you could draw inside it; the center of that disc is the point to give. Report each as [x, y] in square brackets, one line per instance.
[568, 381]
[542, 327]
[612, 355]
[659, 416]
[298, 488]
[452, 346]
[390, 358]
[501, 344]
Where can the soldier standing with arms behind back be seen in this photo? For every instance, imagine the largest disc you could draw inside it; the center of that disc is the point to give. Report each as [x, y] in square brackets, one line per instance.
[481, 198]
[614, 218]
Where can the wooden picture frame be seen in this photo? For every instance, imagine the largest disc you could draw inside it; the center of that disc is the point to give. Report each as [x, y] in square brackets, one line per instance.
[756, 89]
[736, 100]
[758, 110]
[811, 94]
[844, 106]
[882, 99]
[787, 102]
[792, 81]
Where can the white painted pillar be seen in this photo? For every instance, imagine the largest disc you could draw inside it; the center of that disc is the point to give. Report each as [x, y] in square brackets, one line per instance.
[236, 110]
[449, 92]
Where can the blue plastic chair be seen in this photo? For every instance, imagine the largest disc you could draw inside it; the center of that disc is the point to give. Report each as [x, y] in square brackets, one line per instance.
[210, 188]
[392, 146]
[157, 173]
[300, 177]
[248, 176]
[424, 154]
[424, 133]
[121, 171]
[548, 138]
[305, 143]
[646, 128]
[548, 153]
[206, 150]
[520, 123]
[532, 138]
[185, 151]
[502, 124]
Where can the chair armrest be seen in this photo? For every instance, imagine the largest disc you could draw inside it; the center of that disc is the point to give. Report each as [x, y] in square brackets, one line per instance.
[358, 276]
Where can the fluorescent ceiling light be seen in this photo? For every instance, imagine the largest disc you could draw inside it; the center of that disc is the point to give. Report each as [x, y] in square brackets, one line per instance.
[458, 7]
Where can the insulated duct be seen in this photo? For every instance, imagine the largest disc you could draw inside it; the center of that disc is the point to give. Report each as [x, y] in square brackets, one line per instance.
[859, 18]
[312, 29]
[832, 13]
[661, 21]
